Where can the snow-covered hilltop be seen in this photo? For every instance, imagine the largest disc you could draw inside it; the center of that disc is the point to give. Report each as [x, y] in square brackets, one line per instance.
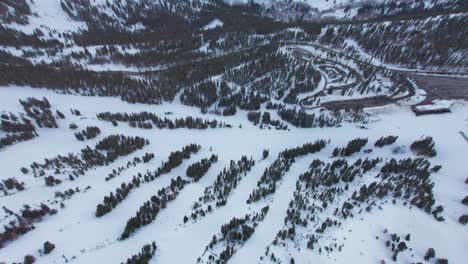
[212, 131]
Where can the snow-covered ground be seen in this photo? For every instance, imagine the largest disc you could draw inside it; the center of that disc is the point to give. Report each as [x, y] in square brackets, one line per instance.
[80, 237]
[48, 14]
[213, 24]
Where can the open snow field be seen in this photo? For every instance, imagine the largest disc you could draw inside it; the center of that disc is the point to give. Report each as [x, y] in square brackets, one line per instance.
[81, 237]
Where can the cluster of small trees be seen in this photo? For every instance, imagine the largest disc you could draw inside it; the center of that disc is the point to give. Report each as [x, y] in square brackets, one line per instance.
[233, 236]
[145, 159]
[16, 129]
[463, 219]
[408, 179]
[106, 151]
[21, 128]
[48, 247]
[148, 157]
[23, 222]
[75, 112]
[68, 193]
[229, 110]
[201, 95]
[424, 147]
[35, 214]
[111, 201]
[39, 110]
[397, 245]
[198, 169]
[174, 160]
[15, 11]
[385, 141]
[10, 184]
[119, 145]
[267, 183]
[218, 193]
[465, 200]
[430, 254]
[148, 212]
[88, 133]
[265, 119]
[51, 181]
[327, 175]
[265, 153]
[254, 117]
[29, 259]
[304, 120]
[73, 126]
[141, 119]
[244, 99]
[352, 147]
[316, 190]
[288, 233]
[143, 257]
[13, 230]
[305, 149]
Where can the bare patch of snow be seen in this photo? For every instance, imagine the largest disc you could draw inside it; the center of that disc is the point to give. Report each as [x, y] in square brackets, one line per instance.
[213, 24]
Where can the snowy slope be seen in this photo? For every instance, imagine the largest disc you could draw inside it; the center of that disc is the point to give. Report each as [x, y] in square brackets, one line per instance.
[78, 234]
[48, 14]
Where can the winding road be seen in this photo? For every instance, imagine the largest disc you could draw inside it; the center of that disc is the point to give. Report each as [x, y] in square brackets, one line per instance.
[437, 84]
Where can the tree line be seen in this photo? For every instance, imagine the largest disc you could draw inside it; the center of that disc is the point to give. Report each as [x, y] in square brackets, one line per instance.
[147, 120]
[267, 183]
[198, 169]
[216, 195]
[174, 160]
